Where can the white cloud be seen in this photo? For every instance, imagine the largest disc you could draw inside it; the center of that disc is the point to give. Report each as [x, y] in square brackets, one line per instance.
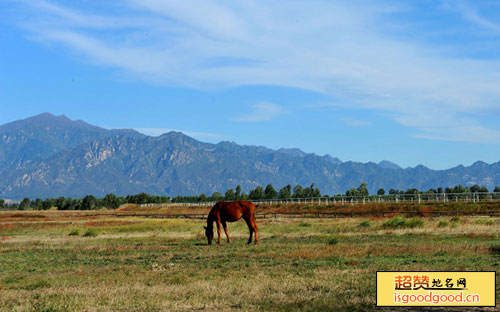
[261, 112]
[337, 48]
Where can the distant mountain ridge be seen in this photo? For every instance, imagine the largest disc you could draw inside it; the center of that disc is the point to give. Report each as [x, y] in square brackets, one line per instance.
[50, 156]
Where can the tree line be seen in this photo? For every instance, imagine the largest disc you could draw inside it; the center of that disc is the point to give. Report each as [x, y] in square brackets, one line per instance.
[258, 193]
[268, 192]
[88, 202]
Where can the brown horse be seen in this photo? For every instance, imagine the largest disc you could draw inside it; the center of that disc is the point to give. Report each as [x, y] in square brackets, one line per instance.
[223, 212]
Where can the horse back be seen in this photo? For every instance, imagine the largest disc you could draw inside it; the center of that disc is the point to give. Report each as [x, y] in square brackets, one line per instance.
[247, 206]
[233, 211]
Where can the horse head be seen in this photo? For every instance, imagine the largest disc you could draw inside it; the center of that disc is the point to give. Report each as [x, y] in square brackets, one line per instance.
[209, 233]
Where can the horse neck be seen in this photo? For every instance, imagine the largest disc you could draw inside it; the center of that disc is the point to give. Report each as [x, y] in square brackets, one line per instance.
[212, 216]
[210, 222]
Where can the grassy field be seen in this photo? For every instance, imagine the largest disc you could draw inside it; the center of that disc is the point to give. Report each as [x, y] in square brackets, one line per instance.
[53, 262]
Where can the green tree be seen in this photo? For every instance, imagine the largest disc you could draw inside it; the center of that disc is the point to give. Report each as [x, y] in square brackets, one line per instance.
[25, 204]
[311, 191]
[270, 192]
[88, 202]
[459, 189]
[475, 188]
[362, 189]
[411, 191]
[2, 203]
[285, 192]
[381, 191]
[37, 204]
[59, 202]
[111, 201]
[48, 203]
[229, 195]
[237, 193]
[257, 193]
[202, 197]
[352, 192]
[316, 192]
[298, 191]
[496, 190]
[244, 196]
[216, 196]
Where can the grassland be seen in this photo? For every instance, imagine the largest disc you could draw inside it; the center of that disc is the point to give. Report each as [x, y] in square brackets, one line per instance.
[56, 262]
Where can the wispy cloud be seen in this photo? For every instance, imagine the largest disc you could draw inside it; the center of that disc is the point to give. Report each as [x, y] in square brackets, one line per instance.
[194, 134]
[337, 48]
[261, 112]
[472, 15]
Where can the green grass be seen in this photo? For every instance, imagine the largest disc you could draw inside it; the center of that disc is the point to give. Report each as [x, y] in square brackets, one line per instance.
[443, 223]
[365, 224]
[143, 264]
[74, 233]
[90, 233]
[400, 222]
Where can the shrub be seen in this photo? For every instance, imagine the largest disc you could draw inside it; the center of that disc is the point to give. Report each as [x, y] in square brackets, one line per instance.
[74, 233]
[365, 223]
[305, 224]
[333, 241]
[455, 219]
[443, 223]
[495, 250]
[400, 223]
[394, 223]
[485, 222]
[90, 233]
[414, 222]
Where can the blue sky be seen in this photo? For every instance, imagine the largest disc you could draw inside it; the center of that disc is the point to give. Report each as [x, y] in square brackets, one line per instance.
[413, 82]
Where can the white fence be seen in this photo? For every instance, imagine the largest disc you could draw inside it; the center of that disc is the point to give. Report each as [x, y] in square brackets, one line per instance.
[351, 200]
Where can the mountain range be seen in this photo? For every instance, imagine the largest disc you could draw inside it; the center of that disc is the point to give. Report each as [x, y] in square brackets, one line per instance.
[50, 156]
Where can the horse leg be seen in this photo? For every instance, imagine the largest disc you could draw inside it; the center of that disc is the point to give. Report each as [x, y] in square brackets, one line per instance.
[224, 225]
[255, 228]
[250, 228]
[218, 231]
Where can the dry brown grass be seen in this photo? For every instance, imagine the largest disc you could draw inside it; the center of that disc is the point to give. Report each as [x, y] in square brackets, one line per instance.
[146, 264]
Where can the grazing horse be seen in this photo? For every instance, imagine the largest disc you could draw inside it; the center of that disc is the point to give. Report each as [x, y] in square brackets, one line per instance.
[223, 212]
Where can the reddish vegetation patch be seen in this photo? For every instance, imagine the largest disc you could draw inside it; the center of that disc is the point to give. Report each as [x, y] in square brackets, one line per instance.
[474, 235]
[7, 226]
[424, 211]
[23, 215]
